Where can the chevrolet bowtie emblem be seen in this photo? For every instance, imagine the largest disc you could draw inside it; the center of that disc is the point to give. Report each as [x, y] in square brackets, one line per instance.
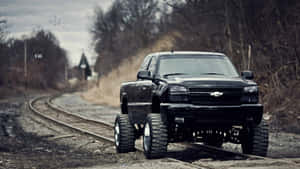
[216, 94]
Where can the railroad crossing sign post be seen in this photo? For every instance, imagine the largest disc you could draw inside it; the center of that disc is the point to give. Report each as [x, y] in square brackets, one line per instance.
[38, 56]
[83, 67]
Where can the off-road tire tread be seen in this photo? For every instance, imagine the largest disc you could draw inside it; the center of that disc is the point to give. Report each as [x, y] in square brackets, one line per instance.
[259, 140]
[127, 137]
[159, 135]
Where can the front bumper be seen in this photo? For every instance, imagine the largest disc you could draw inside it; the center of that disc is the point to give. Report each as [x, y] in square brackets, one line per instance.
[213, 115]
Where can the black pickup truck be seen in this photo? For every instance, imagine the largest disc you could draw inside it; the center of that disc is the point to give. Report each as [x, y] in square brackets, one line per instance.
[190, 96]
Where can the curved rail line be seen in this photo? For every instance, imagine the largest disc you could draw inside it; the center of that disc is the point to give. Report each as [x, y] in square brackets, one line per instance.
[58, 108]
[64, 124]
[203, 147]
[80, 120]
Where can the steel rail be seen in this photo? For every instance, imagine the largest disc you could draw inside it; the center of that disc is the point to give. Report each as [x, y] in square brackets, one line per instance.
[54, 107]
[60, 109]
[63, 124]
[209, 149]
[85, 132]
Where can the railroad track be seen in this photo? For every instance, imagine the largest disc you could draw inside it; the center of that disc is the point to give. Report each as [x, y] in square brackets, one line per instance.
[43, 107]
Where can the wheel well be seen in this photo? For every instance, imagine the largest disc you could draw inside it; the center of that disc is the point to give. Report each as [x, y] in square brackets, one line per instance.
[124, 106]
[155, 105]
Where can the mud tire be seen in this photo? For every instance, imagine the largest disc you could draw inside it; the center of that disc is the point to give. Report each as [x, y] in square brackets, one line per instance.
[124, 134]
[256, 140]
[155, 137]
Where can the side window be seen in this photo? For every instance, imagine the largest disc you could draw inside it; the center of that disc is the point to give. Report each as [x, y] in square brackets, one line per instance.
[152, 65]
[145, 64]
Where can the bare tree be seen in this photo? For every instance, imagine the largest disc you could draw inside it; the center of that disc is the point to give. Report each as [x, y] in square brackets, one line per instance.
[241, 34]
[3, 51]
[2, 31]
[227, 30]
[140, 16]
[46, 61]
[130, 22]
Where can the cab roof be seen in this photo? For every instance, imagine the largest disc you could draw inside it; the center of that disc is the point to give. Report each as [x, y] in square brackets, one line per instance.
[187, 53]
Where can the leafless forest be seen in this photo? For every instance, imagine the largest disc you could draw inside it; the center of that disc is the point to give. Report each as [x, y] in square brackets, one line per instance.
[258, 35]
[43, 67]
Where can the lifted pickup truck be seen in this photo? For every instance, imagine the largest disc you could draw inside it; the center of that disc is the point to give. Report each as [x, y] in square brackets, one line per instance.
[190, 96]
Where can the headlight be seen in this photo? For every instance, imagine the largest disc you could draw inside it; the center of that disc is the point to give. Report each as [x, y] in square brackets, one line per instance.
[251, 89]
[178, 94]
[178, 90]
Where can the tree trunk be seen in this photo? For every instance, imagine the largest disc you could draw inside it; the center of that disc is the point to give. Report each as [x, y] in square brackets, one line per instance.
[228, 29]
[296, 51]
[243, 66]
[249, 57]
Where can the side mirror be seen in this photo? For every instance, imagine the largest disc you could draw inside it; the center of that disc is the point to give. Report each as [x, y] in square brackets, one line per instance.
[144, 74]
[247, 74]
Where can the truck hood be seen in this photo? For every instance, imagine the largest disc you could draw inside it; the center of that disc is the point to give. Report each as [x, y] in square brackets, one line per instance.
[211, 82]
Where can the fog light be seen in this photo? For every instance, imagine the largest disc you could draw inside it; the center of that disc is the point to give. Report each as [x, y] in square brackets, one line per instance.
[179, 120]
[251, 89]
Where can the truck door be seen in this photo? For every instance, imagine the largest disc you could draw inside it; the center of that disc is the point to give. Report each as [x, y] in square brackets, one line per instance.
[145, 93]
[138, 98]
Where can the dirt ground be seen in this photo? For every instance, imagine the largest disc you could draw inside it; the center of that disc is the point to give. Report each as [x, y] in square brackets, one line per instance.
[33, 143]
[37, 144]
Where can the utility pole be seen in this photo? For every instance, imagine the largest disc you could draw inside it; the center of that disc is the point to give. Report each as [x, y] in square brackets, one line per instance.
[25, 61]
[66, 72]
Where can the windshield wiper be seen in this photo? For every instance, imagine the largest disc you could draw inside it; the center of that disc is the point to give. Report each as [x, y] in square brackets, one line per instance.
[173, 74]
[212, 73]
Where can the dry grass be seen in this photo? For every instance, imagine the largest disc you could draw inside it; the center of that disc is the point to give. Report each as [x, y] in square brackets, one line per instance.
[108, 91]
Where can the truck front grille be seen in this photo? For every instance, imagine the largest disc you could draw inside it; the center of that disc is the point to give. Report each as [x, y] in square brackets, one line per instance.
[202, 96]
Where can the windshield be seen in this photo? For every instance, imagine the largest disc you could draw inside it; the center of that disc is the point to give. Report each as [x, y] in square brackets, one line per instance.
[195, 65]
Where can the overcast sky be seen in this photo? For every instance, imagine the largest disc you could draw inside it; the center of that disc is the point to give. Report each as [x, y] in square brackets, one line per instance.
[69, 20]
